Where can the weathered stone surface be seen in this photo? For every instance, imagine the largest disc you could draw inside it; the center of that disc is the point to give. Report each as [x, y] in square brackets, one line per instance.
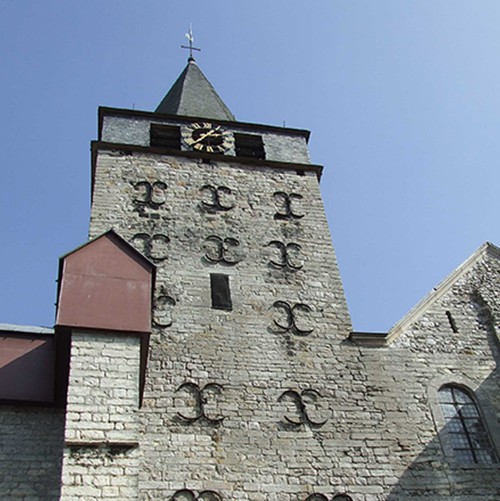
[271, 399]
[101, 433]
[369, 431]
[31, 442]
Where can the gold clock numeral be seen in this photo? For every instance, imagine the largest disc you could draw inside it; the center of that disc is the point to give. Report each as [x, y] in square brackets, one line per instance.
[207, 137]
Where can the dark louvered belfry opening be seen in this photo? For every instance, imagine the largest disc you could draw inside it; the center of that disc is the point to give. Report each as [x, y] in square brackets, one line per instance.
[165, 136]
[221, 294]
[249, 145]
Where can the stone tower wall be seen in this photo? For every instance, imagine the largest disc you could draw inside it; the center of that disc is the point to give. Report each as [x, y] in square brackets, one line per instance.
[266, 395]
[254, 452]
[238, 406]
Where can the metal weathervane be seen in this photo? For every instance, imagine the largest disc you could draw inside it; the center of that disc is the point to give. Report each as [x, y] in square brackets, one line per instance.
[189, 36]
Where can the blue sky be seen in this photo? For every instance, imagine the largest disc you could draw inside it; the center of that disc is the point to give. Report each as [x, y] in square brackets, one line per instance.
[401, 96]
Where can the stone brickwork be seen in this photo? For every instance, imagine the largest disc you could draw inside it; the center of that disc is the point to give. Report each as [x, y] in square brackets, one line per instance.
[254, 453]
[256, 388]
[408, 450]
[452, 338]
[100, 456]
[31, 441]
[272, 400]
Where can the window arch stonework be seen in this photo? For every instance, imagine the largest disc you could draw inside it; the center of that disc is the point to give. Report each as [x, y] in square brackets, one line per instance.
[465, 423]
[464, 426]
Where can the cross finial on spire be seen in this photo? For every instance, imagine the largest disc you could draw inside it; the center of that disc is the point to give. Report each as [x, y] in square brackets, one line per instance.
[189, 36]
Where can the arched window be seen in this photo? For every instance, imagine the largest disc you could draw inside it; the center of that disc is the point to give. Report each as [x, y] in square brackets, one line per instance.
[465, 427]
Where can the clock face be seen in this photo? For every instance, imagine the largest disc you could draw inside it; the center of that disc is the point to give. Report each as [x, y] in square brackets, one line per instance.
[207, 137]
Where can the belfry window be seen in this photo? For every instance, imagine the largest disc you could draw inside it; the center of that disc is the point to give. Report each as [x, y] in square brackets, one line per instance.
[165, 136]
[249, 145]
[465, 427]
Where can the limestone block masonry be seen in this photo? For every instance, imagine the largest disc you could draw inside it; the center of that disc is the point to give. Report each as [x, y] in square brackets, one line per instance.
[255, 388]
[270, 400]
[101, 435]
[254, 453]
[451, 338]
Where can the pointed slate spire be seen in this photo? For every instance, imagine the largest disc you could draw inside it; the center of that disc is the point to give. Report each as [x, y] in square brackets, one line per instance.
[193, 95]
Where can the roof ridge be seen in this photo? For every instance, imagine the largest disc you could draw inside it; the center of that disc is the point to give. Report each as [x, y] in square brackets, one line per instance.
[439, 290]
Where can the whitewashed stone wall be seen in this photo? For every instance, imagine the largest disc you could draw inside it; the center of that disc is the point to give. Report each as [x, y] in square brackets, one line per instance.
[100, 454]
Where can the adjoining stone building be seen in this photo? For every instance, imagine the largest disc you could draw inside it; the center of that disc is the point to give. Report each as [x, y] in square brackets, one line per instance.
[203, 347]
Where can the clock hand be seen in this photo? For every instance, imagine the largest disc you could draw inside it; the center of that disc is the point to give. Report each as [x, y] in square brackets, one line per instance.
[207, 134]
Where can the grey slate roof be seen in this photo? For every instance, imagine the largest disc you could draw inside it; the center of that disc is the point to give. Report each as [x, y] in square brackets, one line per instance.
[193, 95]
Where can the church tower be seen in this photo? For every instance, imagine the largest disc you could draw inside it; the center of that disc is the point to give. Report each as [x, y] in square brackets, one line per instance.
[203, 349]
[249, 310]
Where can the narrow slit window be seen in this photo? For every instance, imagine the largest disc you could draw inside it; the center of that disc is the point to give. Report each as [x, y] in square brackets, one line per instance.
[165, 136]
[249, 145]
[452, 322]
[221, 294]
